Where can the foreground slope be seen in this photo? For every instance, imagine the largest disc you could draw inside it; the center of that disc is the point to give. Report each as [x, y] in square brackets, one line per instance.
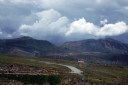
[19, 70]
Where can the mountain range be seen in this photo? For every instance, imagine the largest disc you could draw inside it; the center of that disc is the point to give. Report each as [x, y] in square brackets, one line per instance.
[100, 45]
[27, 46]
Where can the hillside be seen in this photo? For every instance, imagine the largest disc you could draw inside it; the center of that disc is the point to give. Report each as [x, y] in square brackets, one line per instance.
[27, 46]
[100, 45]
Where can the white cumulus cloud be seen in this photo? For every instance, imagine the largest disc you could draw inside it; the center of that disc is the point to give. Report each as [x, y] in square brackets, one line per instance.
[51, 23]
[113, 29]
[83, 28]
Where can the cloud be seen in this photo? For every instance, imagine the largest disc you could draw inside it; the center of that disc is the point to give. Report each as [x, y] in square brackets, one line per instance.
[113, 29]
[89, 9]
[103, 22]
[99, 1]
[0, 33]
[51, 23]
[1, 0]
[126, 7]
[123, 10]
[46, 19]
[83, 28]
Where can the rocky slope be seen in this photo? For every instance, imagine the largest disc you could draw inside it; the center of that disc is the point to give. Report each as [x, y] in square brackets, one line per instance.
[92, 45]
[27, 46]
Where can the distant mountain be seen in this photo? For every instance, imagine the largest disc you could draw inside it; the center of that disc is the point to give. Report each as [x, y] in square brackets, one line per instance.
[122, 37]
[27, 46]
[107, 50]
[92, 45]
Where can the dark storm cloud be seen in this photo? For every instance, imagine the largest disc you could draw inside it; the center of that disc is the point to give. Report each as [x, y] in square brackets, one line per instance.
[12, 15]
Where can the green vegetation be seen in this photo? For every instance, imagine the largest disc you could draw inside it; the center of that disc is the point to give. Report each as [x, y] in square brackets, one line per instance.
[34, 61]
[106, 74]
[33, 79]
[93, 73]
[39, 63]
[54, 80]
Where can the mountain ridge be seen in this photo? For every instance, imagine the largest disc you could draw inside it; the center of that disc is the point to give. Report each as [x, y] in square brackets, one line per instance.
[29, 46]
[96, 45]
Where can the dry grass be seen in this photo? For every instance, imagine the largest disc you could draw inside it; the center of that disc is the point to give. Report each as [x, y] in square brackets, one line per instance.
[106, 74]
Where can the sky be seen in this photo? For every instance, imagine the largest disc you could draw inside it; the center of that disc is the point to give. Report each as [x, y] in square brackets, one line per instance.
[64, 20]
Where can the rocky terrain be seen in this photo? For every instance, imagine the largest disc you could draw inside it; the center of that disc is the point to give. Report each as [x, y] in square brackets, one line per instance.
[21, 69]
[27, 46]
[107, 45]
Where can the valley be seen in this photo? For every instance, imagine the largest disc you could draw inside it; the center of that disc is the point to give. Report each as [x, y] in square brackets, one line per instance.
[22, 60]
[32, 67]
[60, 42]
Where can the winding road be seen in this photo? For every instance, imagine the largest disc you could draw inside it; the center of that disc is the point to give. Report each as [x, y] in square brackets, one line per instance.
[72, 68]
